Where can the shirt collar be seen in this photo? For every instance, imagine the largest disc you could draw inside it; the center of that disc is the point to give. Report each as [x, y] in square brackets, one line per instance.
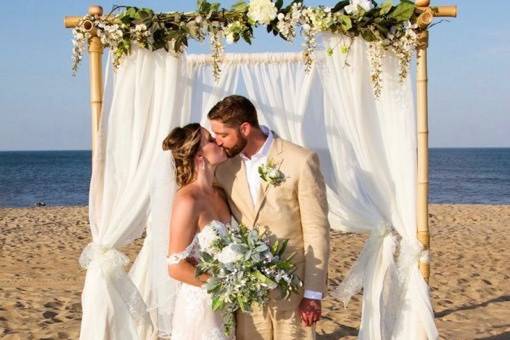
[264, 149]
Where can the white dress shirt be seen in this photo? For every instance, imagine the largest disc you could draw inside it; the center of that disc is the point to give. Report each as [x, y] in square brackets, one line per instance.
[251, 166]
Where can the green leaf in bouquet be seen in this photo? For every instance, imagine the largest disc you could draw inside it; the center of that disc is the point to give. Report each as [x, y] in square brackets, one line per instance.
[261, 248]
[274, 247]
[212, 285]
[247, 256]
[217, 303]
[242, 304]
[265, 280]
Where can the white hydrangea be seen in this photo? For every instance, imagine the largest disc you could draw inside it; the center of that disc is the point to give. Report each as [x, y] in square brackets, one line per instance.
[367, 5]
[262, 11]
[229, 254]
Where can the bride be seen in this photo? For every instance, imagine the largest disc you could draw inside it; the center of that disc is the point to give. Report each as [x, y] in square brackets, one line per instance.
[197, 205]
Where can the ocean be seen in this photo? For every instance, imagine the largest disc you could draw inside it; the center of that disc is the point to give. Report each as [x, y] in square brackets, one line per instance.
[457, 175]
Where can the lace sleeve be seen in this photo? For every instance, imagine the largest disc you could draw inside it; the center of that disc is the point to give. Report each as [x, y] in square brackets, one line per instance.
[178, 257]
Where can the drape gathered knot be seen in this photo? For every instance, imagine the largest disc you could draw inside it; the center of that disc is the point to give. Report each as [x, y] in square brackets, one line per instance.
[111, 262]
[381, 240]
[411, 252]
[107, 258]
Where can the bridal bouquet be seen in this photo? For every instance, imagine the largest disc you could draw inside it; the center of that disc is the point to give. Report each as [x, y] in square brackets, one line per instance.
[244, 266]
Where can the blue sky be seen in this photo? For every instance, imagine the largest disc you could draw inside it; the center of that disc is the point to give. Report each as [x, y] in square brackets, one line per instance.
[42, 107]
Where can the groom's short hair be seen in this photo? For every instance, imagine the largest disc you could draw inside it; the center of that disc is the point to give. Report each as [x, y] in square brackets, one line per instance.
[233, 111]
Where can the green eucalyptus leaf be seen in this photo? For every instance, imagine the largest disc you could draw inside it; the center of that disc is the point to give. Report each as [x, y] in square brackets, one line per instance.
[217, 303]
[386, 6]
[345, 22]
[404, 11]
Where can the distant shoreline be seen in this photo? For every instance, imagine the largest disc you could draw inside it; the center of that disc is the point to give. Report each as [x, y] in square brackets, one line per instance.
[432, 147]
[430, 204]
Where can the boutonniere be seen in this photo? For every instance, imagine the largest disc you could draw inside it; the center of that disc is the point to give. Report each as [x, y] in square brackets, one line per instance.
[271, 174]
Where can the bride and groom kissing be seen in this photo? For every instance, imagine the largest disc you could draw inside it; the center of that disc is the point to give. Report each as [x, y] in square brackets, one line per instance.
[220, 182]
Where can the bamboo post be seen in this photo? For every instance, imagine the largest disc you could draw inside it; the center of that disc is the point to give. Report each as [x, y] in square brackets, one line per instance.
[96, 77]
[95, 69]
[426, 15]
[423, 152]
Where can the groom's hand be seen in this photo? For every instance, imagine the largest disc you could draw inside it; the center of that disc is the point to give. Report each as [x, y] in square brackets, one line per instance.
[310, 311]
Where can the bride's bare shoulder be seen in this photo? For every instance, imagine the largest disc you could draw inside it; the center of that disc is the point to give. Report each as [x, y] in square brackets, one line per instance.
[186, 197]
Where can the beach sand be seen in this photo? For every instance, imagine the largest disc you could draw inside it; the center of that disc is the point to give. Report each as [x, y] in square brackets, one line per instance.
[41, 280]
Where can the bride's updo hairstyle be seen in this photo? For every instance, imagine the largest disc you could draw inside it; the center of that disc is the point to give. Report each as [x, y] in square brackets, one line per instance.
[184, 142]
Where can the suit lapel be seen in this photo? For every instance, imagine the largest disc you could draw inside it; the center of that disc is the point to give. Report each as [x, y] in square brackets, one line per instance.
[264, 187]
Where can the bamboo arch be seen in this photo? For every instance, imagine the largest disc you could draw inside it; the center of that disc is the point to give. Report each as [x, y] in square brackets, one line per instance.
[426, 15]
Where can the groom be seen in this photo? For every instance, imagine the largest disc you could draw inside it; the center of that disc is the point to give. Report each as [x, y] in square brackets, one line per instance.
[295, 209]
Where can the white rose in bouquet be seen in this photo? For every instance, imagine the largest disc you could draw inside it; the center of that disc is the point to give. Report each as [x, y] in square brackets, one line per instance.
[230, 254]
[262, 11]
[206, 238]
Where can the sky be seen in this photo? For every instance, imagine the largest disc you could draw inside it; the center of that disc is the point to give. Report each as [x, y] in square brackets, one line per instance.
[43, 107]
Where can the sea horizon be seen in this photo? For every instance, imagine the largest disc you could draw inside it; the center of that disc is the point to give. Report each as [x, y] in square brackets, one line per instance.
[457, 175]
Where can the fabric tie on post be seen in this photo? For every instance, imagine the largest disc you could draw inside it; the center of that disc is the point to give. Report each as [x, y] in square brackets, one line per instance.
[111, 262]
[109, 259]
[354, 280]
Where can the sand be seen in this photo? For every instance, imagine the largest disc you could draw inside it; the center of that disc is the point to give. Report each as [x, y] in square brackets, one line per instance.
[41, 281]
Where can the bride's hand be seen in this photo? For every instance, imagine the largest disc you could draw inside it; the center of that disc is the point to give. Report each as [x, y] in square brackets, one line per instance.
[191, 260]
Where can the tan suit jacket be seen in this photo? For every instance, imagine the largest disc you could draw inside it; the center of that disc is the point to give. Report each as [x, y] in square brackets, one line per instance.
[295, 210]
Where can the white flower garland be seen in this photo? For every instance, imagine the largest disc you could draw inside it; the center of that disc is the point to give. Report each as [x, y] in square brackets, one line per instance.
[120, 35]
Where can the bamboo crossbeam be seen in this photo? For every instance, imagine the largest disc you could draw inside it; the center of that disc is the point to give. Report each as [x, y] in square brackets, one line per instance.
[71, 21]
[440, 11]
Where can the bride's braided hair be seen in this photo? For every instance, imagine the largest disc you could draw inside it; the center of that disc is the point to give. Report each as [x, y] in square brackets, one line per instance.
[184, 142]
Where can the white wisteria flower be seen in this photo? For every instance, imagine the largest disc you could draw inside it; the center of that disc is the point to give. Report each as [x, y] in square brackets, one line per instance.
[287, 22]
[262, 11]
[367, 5]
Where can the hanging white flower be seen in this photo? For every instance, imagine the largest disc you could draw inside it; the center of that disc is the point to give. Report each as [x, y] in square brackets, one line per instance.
[367, 5]
[262, 11]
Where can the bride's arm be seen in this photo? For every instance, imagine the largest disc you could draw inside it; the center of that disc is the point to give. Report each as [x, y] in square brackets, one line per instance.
[182, 233]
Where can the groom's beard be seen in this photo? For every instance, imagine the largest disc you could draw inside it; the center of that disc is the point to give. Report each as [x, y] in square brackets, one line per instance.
[237, 148]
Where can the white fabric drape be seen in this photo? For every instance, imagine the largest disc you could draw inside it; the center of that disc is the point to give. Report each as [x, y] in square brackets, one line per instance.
[145, 98]
[375, 180]
[367, 149]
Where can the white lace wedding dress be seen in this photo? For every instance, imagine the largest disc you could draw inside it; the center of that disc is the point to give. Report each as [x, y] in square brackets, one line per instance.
[193, 317]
